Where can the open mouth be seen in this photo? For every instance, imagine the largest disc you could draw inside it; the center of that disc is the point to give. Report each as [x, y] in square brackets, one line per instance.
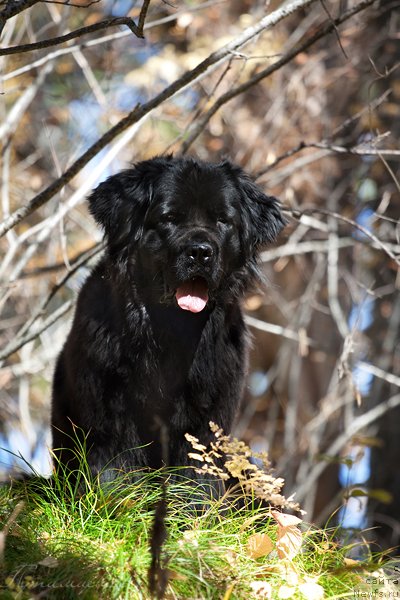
[192, 295]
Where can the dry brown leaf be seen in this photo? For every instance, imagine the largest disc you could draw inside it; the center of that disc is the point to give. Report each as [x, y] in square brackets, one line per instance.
[259, 544]
[290, 537]
[289, 542]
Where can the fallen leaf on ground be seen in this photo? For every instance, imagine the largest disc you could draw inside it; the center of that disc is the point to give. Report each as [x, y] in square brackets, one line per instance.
[312, 591]
[289, 535]
[286, 591]
[259, 544]
[261, 589]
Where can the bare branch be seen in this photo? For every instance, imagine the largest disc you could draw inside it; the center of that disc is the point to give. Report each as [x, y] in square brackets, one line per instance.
[14, 8]
[355, 427]
[278, 330]
[357, 150]
[23, 336]
[327, 145]
[20, 342]
[142, 17]
[11, 122]
[46, 226]
[212, 61]
[380, 373]
[334, 28]
[113, 22]
[316, 246]
[315, 210]
[103, 40]
[333, 282]
[240, 89]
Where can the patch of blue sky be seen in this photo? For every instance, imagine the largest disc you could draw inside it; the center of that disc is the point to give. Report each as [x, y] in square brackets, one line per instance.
[187, 100]
[353, 515]
[258, 383]
[359, 471]
[17, 453]
[144, 51]
[85, 115]
[364, 218]
[126, 97]
[118, 8]
[362, 379]
[85, 125]
[362, 315]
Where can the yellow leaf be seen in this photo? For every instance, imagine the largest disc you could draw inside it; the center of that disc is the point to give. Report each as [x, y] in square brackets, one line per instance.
[261, 589]
[312, 590]
[259, 545]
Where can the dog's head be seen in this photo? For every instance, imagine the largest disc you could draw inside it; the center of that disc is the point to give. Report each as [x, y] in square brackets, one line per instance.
[190, 230]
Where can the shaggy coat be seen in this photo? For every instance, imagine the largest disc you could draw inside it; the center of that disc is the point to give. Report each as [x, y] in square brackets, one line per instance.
[158, 345]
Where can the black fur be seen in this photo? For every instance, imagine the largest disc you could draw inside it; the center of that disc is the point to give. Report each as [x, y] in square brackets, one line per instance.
[135, 363]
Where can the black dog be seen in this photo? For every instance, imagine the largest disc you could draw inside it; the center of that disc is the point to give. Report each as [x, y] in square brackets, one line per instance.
[158, 343]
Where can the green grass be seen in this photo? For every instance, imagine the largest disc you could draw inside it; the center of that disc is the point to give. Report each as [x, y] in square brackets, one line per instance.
[59, 544]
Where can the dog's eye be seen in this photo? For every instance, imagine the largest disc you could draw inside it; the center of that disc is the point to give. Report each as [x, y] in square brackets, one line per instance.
[170, 218]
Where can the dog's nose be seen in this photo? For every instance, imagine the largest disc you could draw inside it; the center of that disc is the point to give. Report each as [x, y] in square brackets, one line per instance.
[200, 252]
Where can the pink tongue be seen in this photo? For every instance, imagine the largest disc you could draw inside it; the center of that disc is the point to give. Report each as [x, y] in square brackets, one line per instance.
[192, 295]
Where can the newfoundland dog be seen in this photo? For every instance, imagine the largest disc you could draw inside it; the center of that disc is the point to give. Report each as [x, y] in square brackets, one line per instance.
[158, 344]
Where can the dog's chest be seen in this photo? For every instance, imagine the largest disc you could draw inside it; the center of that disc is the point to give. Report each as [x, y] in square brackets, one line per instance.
[178, 336]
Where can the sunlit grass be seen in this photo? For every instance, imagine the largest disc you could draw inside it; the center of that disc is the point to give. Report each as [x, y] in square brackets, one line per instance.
[93, 543]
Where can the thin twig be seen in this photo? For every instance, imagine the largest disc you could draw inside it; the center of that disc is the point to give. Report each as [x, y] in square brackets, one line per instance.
[17, 344]
[380, 373]
[46, 226]
[315, 210]
[114, 22]
[244, 87]
[14, 116]
[83, 259]
[14, 8]
[355, 427]
[278, 330]
[189, 77]
[103, 40]
[142, 17]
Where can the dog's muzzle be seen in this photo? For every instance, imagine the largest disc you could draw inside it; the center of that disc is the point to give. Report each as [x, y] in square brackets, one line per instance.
[196, 268]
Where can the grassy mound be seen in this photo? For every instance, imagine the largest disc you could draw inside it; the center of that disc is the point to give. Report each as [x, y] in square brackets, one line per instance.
[57, 543]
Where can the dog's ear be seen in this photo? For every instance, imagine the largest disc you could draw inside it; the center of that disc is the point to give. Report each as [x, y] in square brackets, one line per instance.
[262, 216]
[120, 203]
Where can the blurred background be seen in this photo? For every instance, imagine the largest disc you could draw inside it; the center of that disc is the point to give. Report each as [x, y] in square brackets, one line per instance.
[305, 97]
